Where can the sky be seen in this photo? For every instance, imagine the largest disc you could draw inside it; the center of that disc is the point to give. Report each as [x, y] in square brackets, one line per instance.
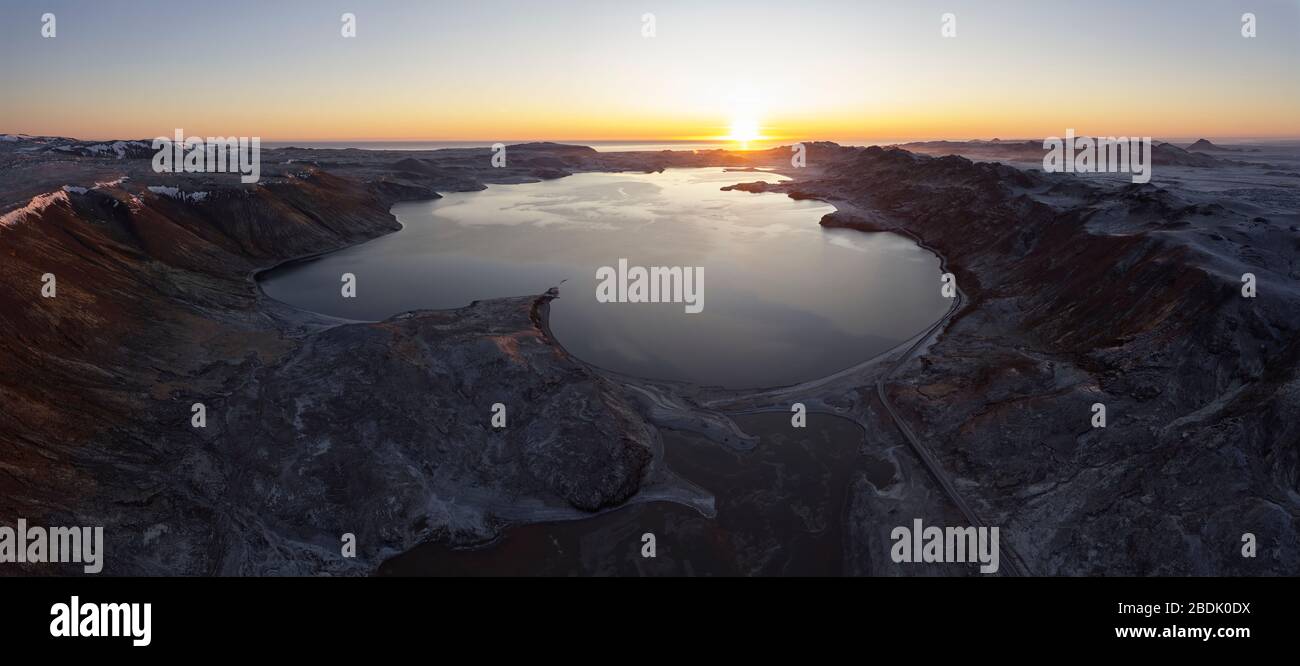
[530, 70]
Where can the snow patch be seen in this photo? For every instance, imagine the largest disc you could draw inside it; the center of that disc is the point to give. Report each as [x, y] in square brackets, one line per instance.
[151, 534]
[74, 189]
[117, 148]
[36, 206]
[111, 183]
[175, 193]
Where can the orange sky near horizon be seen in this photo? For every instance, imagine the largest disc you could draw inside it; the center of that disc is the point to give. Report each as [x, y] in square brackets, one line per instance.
[499, 70]
[343, 122]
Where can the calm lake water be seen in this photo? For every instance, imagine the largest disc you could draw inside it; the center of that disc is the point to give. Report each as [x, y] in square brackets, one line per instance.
[785, 300]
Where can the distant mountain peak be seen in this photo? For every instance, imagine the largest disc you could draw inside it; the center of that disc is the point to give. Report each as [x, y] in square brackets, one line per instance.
[1206, 145]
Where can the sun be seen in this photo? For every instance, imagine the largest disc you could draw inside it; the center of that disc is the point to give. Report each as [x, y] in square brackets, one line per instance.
[745, 128]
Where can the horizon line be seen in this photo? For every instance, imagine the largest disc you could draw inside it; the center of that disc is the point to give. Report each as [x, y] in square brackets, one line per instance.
[718, 140]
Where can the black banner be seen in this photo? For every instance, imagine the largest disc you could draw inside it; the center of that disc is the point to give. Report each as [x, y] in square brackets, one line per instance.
[306, 615]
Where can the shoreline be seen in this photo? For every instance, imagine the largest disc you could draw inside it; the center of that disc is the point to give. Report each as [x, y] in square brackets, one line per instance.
[541, 318]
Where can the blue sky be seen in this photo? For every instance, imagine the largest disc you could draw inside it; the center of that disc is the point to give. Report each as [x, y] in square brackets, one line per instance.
[519, 70]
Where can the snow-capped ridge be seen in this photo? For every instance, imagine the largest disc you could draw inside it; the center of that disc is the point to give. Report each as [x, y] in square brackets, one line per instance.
[36, 206]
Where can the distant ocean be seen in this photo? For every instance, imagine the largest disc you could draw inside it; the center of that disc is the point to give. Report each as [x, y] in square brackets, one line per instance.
[602, 146]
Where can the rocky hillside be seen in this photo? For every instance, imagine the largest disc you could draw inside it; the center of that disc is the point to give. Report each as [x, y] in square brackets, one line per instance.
[313, 429]
[1129, 296]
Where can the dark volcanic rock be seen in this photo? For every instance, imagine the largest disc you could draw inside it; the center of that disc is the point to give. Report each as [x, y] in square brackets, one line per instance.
[383, 430]
[755, 187]
[1093, 299]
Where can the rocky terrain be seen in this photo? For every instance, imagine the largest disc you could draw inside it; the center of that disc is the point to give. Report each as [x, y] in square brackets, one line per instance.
[1076, 291]
[1084, 292]
[314, 429]
[1202, 153]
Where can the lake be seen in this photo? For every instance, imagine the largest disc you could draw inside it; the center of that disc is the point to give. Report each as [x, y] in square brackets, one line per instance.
[784, 300]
